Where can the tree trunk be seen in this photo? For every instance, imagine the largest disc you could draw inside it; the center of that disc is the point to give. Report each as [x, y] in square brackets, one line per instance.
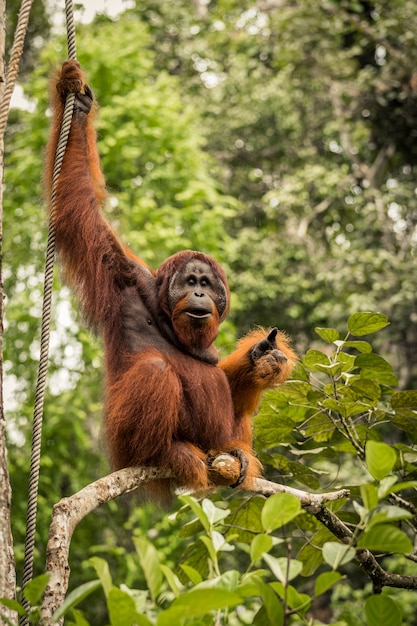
[7, 564]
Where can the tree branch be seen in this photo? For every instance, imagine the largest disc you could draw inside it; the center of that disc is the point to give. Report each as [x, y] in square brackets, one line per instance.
[379, 577]
[69, 512]
[311, 502]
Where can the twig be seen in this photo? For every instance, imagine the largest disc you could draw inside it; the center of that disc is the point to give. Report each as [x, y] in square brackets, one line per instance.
[311, 502]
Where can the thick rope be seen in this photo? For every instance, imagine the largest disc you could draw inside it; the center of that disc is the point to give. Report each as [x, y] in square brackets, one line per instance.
[45, 326]
[13, 66]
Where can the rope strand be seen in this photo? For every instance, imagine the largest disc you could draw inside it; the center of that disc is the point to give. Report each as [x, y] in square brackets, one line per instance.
[45, 327]
[13, 66]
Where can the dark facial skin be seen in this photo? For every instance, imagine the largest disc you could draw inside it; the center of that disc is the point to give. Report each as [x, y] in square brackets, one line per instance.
[200, 285]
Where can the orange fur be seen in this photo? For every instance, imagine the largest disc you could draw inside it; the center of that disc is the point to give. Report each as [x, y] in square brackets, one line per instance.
[247, 382]
[168, 402]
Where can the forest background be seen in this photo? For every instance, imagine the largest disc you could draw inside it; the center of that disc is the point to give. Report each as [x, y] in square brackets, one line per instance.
[279, 137]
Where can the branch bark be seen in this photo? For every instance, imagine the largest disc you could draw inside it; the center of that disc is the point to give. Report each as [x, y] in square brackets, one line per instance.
[68, 513]
[7, 564]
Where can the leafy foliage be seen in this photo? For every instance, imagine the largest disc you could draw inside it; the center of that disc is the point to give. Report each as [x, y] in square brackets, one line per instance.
[309, 112]
[281, 142]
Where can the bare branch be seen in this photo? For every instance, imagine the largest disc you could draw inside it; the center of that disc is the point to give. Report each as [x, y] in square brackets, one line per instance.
[68, 513]
[311, 502]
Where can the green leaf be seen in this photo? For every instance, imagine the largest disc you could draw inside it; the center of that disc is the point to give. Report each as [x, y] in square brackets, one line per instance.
[246, 515]
[33, 591]
[369, 495]
[122, 609]
[283, 569]
[214, 513]
[247, 586]
[190, 529]
[380, 459]
[366, 388]
[196, 557]
[300, 602]
[75, 597]
[382, 609]
[331, 370]
[260, 544]
[228, 580]
[102, 570]
[149, 560]
[385, 539]
[314, 358]
[404, 399]
[327, 334]
[361, 346]
[278, 510]
[408, 423]
[201, 601]
[346, 408]
[336, 554]
[386, 486]
[192, 573]
[347, 361]
[409, 484]
[373, 362]
[381, 377]
[14, 605]
[360, 324]
[310, 554]
[171, 616]
[269, 432]
[272, 606]
[300, 373]
[197, 510]
[293, 391]
[208, 542]
[171, 579]
[325, 581]
[387, 513]
[219, 542]
[79, 619]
